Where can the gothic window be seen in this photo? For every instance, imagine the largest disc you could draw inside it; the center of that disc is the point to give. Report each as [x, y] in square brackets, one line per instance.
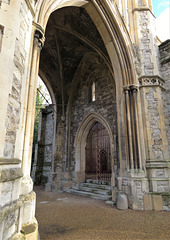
[93, 92]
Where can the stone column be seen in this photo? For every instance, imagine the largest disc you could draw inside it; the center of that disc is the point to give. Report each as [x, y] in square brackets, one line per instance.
[134, 90]
[155, 133]
[130, 164]
[26, 186]
[133, 133]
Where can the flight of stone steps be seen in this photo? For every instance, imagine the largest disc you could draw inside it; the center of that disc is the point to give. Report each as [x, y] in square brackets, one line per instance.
[93, 189]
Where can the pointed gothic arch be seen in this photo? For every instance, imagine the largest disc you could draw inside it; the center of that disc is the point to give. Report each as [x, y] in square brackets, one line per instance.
[80, 143]
[116, 39]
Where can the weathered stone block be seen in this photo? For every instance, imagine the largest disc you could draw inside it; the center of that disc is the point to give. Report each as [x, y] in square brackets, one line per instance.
[147, 200]
[6, 193]
[122, 201]
[1, 229]
[7, 234]
[28, 211]
[16, 189]
[157, 202]
[26, 185]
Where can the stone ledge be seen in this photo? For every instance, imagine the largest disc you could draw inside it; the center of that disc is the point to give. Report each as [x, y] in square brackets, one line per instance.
[7, 175]
[159, 179]
[159, 193]
[142, 8]
[158, 164]
[8, 161]
[15, 205]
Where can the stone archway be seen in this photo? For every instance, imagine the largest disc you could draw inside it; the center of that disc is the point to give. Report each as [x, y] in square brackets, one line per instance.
[119, 48]
[81, 140]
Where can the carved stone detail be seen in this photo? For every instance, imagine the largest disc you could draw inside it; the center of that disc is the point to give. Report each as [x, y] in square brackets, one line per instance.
[40, 37]
[153, 81]
[132, 88]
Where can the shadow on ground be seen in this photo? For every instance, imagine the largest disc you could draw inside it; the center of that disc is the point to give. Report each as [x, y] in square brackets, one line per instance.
[69, 217]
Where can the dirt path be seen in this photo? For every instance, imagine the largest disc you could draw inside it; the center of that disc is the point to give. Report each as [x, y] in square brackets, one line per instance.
[69, 217]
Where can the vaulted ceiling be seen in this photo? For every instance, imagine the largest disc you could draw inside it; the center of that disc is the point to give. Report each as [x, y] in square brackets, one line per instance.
[70, 34]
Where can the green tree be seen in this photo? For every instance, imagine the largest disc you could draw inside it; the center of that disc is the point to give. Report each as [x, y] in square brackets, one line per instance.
[39, 106]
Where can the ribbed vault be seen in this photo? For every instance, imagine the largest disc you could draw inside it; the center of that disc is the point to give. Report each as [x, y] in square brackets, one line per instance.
[70, 34]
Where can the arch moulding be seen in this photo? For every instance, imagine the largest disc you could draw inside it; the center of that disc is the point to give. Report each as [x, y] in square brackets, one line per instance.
[112, 29]
[80, 143]
[116, 38]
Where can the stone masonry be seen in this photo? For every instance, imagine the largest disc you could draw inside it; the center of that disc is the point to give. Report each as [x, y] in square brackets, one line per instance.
[73, 45]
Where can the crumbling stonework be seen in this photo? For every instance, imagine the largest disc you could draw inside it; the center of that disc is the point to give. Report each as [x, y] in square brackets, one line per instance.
[165, 71]
[44, 147]
[104, 104]
[154, 123]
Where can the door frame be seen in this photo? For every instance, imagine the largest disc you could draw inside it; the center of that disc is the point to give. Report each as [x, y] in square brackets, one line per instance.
[80, 144]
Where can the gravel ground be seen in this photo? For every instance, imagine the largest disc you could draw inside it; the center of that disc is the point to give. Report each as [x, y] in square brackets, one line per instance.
[69, 217]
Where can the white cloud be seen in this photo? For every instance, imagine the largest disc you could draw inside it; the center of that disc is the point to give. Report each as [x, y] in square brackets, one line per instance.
[163, 25]
[167, 3]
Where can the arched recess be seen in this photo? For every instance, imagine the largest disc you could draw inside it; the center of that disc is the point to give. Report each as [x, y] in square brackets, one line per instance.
[49, 88]
[80, 144]
[112, 29]
[54, 103]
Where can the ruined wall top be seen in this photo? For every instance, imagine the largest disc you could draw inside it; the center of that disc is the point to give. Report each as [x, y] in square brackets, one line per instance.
[164, 49]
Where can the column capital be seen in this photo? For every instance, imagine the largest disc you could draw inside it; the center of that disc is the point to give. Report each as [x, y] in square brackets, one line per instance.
[129, 88]
[134, 88]
[126, 88]
[39, 33]
[40, 38]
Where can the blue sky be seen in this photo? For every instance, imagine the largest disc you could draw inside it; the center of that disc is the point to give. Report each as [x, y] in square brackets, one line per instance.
[159, 6]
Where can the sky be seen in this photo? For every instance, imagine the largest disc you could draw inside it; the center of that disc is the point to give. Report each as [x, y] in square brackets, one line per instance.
[161, 10]
[159, 6]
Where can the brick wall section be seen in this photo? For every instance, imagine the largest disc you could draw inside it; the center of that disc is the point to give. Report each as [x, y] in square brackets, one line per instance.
[165, 71]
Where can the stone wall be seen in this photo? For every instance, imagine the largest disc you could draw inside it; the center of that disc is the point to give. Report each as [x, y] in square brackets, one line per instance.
[18, 73]
[43, 158]
[104, 104]
[145, 40]
[153, 104]
[17, 205]
[16, 97]
[164, 49]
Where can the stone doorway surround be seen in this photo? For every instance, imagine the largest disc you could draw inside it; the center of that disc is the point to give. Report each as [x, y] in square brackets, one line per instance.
[80, 144]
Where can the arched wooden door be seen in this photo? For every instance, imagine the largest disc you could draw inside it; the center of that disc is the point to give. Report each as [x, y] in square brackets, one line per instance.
[98, 160]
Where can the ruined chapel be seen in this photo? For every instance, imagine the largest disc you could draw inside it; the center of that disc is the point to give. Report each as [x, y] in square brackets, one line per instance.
[108, 76]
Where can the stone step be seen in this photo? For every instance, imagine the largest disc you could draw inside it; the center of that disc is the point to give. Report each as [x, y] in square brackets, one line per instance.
[89, 194]
[93, 190]
[101, 182]
[92, 185]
